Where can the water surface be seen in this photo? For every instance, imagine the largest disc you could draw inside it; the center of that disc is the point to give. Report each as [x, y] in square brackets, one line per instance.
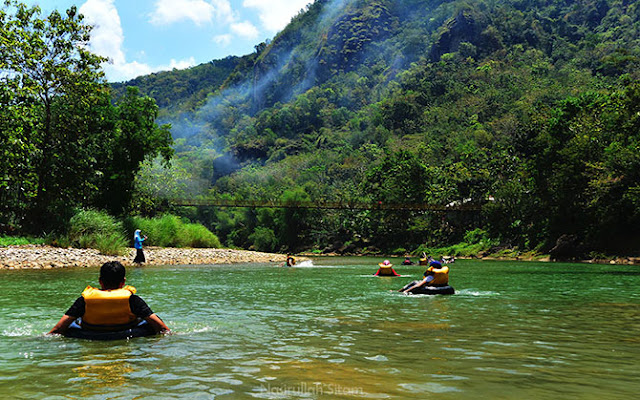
[331, 330]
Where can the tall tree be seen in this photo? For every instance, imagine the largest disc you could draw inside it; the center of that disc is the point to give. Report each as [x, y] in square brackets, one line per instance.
[64, 144]
[46, 62]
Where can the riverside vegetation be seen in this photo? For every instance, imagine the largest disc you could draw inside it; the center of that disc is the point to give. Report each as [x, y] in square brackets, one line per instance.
[529, 110]
[95, 237]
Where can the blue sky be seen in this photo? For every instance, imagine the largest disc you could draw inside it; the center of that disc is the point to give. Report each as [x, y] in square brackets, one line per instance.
[144, 36]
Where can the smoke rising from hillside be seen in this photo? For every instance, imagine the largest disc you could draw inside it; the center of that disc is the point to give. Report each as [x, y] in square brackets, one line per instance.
[207, 120]
[286, 68]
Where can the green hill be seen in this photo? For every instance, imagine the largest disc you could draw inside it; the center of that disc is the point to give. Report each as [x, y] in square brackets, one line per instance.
[528, 109]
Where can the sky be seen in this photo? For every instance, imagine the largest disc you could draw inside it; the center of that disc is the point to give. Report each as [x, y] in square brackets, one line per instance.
[144, 36]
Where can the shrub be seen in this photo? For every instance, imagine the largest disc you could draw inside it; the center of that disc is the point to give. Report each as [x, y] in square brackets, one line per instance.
[160, 231]
[171, 231]
[475, 242]
[476, 236]
[96, 230]
[196, 235]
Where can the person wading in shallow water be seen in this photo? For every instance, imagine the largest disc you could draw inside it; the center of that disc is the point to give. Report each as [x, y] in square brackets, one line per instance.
[137, 244]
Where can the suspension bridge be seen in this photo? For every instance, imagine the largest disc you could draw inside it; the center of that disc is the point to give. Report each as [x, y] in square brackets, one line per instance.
[331, 205]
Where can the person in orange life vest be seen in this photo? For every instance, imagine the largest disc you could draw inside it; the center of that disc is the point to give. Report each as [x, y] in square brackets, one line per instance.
[436, 275]
[386, 269]
[113, 307]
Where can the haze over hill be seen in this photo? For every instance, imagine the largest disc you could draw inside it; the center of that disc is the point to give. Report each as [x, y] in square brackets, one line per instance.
[530, 103]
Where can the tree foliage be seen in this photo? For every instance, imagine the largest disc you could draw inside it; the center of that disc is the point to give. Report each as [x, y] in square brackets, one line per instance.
[64, 142]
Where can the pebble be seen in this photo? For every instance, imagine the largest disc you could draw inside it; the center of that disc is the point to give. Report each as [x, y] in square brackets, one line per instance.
[48, 257]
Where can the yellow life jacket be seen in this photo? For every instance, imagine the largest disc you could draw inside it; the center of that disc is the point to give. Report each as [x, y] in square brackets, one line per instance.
[108, 307]
[440, 276]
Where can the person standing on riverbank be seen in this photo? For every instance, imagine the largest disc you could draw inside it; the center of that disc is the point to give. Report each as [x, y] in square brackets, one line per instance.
[138, 238]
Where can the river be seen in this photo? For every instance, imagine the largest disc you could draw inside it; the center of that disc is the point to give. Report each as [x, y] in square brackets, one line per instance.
[328, 329]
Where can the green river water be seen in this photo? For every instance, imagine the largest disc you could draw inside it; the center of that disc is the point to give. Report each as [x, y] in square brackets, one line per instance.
[330, 330]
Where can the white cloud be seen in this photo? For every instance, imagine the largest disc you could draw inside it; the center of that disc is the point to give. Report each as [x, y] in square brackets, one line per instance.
[107, 40]
[276, 14]
[130, 70]
[223, 40]
[107, 36]
[198, 11]
[125, 71]
[180, 64]
[223, 10]
[245, 29]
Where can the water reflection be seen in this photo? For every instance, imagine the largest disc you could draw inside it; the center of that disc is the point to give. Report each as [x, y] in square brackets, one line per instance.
[110, 372]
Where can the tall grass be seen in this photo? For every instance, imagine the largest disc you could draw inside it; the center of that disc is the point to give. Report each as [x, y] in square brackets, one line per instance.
[171, 231]
[96, 230]
[19, 240]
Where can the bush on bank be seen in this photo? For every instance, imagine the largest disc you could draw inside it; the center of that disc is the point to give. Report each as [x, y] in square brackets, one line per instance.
[99, 230]
[171, 231]
[475, 242]
[96, 230]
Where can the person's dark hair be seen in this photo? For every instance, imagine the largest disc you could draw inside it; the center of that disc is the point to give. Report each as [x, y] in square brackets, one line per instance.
[111, 274]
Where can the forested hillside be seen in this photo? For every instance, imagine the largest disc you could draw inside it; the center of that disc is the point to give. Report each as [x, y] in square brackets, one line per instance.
[181, 91]
[528, 110]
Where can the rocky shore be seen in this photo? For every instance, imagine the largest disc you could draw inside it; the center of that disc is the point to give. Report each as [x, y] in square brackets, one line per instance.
[47, 257]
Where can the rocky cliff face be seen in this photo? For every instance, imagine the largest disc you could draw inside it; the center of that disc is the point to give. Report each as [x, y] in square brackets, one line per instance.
[465, 28]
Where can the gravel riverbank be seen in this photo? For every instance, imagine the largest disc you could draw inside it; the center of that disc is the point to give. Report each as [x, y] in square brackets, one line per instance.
[47, 257]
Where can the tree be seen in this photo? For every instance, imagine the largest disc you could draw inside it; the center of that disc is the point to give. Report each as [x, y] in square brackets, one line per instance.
[17, 177]
[136, 138]
[54, 79]
[587, 171]
[399, 178]
[64, 144]
[293, 223]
